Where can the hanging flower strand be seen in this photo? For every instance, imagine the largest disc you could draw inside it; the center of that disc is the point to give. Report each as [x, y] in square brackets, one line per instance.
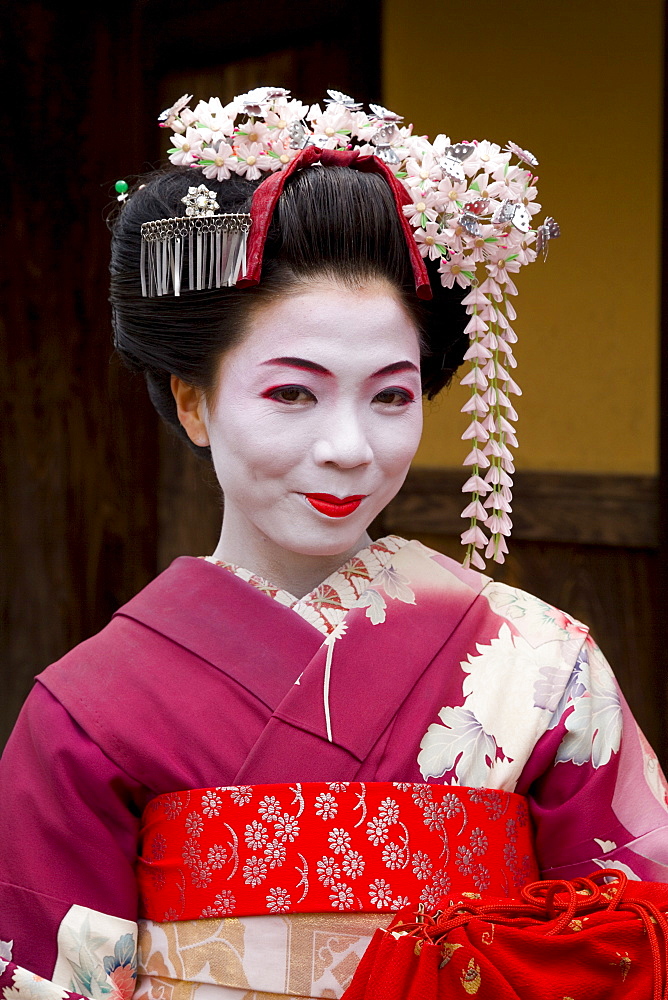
[471, 209]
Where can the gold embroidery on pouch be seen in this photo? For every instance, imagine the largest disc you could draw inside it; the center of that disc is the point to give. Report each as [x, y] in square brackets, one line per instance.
[487, 937]
[471, 977]
[448, 950]
[624, 963]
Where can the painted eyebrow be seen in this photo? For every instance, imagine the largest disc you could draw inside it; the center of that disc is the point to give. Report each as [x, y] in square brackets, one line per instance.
[397, 366]
[310, 366]
[301, 363]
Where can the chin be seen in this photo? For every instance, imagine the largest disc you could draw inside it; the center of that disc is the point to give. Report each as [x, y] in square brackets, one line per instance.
[327, 543]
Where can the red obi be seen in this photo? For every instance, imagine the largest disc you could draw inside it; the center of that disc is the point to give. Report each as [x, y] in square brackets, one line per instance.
[329, 846]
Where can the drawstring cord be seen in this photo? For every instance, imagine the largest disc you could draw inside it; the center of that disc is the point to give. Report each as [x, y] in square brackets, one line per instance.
[555, 900]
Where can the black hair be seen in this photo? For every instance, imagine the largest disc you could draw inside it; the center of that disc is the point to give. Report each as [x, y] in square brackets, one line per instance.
[330, 221]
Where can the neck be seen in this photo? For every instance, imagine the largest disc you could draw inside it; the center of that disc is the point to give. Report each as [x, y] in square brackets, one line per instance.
[296, 572]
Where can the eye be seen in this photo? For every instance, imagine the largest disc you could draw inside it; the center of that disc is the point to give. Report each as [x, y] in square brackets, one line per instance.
[394, 397]
[290, 394]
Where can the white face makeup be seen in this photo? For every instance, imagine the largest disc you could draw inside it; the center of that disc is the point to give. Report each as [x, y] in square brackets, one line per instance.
[315, 420]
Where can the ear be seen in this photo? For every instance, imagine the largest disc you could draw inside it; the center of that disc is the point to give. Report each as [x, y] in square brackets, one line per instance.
[191, 411]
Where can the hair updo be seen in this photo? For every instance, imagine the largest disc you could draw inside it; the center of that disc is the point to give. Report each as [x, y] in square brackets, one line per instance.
[330, 221]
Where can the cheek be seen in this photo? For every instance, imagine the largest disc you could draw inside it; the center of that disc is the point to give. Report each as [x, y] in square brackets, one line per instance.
[255, 445]
[397, 446]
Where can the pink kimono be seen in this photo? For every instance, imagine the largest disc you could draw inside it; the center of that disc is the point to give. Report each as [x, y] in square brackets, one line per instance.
[401, 667]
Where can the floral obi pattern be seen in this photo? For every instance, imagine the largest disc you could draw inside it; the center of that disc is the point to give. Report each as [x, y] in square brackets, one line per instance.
[329, 846]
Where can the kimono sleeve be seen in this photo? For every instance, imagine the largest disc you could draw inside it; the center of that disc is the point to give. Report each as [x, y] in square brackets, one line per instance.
[68, 842]
[596, 792]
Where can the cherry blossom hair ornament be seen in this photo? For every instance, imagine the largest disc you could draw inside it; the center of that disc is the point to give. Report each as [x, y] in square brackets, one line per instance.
[467, 205]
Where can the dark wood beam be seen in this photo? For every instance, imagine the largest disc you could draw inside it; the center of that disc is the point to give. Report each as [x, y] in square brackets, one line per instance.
[584, 508]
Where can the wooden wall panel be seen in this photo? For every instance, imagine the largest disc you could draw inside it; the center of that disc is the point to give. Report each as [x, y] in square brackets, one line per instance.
[78, 513]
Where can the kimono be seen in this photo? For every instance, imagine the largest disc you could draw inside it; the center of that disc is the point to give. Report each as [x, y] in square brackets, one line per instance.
[401, 667]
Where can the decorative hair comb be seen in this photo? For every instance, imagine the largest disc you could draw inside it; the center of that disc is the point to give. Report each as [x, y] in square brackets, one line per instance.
[211, 247]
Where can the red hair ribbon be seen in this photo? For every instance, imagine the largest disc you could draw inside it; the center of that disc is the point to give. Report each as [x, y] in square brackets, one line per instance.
[268, 192]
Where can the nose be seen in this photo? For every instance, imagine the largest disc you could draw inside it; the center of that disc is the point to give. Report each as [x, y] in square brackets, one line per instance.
[343, 442]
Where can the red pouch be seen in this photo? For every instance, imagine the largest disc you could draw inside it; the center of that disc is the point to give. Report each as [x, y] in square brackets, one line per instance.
[595, 938]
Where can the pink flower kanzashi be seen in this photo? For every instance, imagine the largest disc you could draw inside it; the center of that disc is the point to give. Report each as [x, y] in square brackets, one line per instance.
[454, 194]
[283, 113]
[256, 102]
[423, 172]
[169, 115]
[279, 153]
[425, 208]
[218, 162]
[212, 115]
[474, 536]
[456, 271]
[252, 131]
[525, 251]
[487, 157]
[508, 183]
[480, 247]
[188, 148]
[499, 267]
[251, 160]
[332, 128]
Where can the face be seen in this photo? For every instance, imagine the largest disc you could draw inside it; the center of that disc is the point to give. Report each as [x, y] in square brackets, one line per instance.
[315, 419]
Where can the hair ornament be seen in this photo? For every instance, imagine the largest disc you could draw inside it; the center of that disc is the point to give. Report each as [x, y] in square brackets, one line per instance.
[468, 205]
[211, 247]
[548, 231]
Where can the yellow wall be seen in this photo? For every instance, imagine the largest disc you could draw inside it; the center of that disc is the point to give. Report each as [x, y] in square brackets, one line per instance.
[578, 82]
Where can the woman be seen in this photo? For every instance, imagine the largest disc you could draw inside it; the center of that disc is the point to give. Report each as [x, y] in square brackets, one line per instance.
[424, 703]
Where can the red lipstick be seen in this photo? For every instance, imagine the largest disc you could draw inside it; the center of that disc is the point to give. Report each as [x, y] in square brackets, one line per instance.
[333, 506]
